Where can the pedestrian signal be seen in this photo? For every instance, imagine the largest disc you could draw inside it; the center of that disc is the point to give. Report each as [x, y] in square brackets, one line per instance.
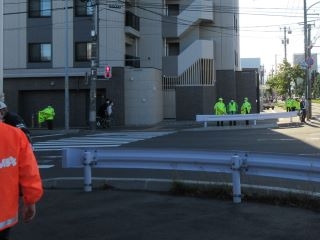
[108, 72]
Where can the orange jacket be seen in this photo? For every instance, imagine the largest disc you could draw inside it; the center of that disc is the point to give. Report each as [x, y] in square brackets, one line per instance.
[18, 170]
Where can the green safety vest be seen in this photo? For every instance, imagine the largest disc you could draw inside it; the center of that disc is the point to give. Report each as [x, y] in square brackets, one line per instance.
[232, 107]
[246, 108]
[220, 108]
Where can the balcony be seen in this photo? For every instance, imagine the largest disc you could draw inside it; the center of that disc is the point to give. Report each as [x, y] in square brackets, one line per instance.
[132, 61]
[132, 24]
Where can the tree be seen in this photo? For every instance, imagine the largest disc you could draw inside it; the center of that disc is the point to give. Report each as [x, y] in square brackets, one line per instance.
[286, 81]
[316, 86]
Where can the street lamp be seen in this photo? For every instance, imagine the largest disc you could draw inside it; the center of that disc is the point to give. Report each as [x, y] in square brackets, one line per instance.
[307, 56]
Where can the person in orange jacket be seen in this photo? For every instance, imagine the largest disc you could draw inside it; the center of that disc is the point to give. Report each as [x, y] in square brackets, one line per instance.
[19, 175]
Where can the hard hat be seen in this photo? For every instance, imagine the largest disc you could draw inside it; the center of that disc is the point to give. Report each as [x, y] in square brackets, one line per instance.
[2, 105]
[245, 98]
[220, 99]
[232, 100]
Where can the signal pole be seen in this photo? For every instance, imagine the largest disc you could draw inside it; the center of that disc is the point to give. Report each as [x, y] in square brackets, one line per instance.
[94, 65]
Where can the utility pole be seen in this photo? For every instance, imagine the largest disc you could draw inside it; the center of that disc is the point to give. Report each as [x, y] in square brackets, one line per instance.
[285, 41]
[309, 115]
[306, 57]
[66, 75]
[94, 65]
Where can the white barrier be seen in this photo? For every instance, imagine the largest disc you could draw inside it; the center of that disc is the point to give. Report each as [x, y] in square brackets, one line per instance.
[243, 117]
[267, 165]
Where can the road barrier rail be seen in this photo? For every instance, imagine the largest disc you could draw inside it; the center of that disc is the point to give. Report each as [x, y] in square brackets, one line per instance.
[243, 117]
[235, 163]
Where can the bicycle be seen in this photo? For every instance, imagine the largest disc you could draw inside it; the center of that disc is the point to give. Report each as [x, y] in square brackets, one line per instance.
[103, 122]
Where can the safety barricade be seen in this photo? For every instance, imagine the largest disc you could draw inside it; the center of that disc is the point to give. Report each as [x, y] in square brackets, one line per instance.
[234, 163]
[243, 117]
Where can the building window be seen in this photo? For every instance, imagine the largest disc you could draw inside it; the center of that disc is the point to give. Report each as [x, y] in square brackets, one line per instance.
[39, 8]
[132, 21]
[40, 52]
[172, 10]
[83, 51]
[83, 8]
[172, 49]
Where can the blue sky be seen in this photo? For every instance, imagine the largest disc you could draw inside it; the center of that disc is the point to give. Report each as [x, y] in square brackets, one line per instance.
[263, 24]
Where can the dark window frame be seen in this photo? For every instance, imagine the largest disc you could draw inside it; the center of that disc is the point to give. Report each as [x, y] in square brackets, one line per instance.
[35, 53]
[131, 20]
[82, 57]
[82, 9]
[35, 10]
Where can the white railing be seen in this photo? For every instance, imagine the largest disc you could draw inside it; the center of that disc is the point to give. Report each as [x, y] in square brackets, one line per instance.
[200, 49]
[265, 165]
[242, 117]
[201, 73]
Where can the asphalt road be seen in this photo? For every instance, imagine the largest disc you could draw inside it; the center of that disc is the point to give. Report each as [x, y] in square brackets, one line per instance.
[67, 213]
[289, 138]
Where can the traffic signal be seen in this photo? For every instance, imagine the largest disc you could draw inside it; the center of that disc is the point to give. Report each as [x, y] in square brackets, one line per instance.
[108, 72]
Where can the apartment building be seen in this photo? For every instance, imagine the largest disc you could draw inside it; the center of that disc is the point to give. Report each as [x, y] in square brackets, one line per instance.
[169, 58]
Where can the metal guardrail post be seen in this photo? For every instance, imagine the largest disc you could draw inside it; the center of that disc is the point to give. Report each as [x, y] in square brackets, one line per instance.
[236, 183]
[87, 177]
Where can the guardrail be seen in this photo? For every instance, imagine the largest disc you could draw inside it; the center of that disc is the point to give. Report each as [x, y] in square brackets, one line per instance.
[266, 165]
[243, 117]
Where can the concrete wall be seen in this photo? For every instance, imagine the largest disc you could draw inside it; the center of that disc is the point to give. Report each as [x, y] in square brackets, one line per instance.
[15, 35]
[111, 36]
[247, 84]
[143, 96]
[194, 100]
[59, 35]
[226, 38]
[226, 85]
[151, 44]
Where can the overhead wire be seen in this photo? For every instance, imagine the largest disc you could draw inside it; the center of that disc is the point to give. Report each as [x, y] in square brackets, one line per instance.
[154, 8]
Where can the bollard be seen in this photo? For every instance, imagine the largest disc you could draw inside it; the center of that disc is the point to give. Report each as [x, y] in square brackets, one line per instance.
[87, 180]
[236, 184]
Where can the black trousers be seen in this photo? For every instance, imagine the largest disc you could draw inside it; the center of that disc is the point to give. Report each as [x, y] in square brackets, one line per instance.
[50, 124]
[4, 235]
[232, 122]
[303, 115]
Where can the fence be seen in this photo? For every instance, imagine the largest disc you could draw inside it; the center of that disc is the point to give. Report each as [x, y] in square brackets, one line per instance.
[266, 165]
[242, 117]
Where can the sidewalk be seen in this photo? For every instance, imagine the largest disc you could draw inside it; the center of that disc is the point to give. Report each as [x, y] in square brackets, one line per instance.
[129, 215]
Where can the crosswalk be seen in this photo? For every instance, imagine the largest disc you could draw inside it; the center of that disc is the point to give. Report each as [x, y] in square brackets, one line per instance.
[99, 140]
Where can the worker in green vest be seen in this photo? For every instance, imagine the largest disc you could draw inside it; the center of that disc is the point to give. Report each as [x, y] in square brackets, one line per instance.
[47, 114]
[232, 109]
[246, 108]
[220, 109]
[288, 104]
[295, 104]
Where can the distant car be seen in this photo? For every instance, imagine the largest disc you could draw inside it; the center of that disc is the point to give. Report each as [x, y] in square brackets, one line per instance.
[267, 105]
